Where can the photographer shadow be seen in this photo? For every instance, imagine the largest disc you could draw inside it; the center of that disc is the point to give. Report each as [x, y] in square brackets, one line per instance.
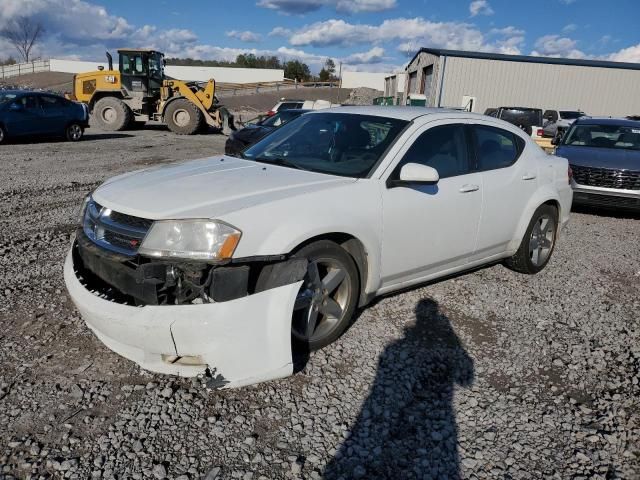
[407, 425]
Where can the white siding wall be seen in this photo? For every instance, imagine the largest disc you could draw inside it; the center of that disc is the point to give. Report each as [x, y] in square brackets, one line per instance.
[220, 74]
[495, 83]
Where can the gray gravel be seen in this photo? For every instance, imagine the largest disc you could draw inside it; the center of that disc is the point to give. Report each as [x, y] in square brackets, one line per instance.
[489, 375]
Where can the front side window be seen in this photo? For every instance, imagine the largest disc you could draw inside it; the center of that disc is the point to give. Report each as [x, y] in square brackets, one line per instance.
[603, 136]
[28, 102]
[132, 64]
[495, 148]
[443, 148]
[335, 143]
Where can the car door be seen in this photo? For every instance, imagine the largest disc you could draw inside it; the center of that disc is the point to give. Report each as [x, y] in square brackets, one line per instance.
[54, 114]
[26, 117]
[509, 179]
[428, 229]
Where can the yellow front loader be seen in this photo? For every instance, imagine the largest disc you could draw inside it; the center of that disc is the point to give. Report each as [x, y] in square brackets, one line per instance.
[139, 91]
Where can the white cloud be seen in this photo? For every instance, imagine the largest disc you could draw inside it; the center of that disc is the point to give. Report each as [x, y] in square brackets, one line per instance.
[300, 7]
[567, 2]
[244, 36]
[480, 7]
[557, 46]
[280, 32]
[412, 32]
[375, 55]
[629, 54]
[571, 27]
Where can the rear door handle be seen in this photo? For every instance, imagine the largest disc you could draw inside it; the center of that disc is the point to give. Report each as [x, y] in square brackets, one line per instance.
[529, 176]
[469, 188]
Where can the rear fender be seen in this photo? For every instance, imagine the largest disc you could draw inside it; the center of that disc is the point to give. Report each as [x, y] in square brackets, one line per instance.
[543, 195]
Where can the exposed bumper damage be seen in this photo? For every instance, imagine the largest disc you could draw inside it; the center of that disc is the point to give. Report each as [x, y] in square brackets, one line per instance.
[187, 318]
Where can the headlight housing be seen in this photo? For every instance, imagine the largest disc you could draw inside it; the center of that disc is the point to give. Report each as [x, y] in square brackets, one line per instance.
[191, 239]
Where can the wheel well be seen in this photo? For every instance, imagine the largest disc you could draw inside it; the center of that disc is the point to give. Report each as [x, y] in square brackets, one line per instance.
[555, 204]
[100, 95]
[355, 248]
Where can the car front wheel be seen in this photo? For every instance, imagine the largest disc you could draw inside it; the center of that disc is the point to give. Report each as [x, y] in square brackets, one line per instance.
[538, 243]
[74, 132]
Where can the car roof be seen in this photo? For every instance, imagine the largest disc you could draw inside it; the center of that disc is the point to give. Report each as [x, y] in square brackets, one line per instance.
[398, 112]
[30, 92]
[625, 122]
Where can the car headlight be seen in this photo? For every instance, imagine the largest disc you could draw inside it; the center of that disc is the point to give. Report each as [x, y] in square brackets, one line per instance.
[190, 239]
[83, 209]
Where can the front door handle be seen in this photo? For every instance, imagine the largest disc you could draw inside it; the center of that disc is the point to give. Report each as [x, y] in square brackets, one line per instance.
[529, 176]
[469, 188]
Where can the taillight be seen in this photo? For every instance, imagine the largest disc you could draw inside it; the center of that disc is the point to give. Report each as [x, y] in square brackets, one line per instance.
[540, 132]
[569, 174]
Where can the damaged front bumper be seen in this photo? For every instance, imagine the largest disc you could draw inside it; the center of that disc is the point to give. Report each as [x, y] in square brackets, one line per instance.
[241, 341]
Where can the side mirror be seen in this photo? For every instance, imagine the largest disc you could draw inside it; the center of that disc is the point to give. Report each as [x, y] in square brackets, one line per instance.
[15, 107]
[415, 173]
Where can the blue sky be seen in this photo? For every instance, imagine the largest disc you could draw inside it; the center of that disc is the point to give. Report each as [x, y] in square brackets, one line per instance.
[373, 35]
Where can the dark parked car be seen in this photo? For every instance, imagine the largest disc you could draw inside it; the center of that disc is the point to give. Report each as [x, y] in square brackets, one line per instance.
[241, 139]
[24, 113]
[528, 119]
[604, 155]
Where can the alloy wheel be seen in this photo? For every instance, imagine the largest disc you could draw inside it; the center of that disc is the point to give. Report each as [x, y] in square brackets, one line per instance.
[322, 300]
[543, 236]
[75, 132]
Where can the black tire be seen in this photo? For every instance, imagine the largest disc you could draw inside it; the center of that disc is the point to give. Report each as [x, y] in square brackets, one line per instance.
[136, 125]
[329, 257]
[183, 117]
[112, 114]
[74, 132]
[525, 260]
[3, 135]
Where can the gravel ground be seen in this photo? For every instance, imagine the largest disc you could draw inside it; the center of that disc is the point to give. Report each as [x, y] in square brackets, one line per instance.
[489, 375]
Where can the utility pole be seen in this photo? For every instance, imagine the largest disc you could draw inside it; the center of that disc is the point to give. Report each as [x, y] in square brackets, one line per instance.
[339, 84]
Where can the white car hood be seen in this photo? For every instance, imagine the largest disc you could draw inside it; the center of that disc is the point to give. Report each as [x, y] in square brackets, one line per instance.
[207, 188]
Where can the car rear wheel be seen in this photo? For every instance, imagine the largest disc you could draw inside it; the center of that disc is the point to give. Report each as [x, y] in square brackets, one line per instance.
[74, 132]
[328, 297]
[112, 114]
[538, 243]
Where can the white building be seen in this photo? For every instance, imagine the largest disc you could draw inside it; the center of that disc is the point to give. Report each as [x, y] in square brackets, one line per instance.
[452, 78]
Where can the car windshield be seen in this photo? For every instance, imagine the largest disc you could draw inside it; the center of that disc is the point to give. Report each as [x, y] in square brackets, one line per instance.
[335, 143]
[280, 118]
[571, 115]
[521, 116]
[7, 97]
[604, 136]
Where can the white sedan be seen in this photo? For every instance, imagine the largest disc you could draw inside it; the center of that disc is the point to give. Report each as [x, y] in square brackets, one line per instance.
[226, 266]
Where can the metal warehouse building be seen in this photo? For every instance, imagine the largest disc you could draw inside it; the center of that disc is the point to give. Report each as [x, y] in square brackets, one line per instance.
[452, 78]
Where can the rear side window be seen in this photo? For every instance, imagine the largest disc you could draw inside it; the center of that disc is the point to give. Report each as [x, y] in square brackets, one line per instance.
[52, 102]
[496, 148]
[289, 105]
[443, 148]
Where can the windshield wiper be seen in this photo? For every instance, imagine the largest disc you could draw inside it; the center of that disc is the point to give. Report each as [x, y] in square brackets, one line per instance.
[283, 162]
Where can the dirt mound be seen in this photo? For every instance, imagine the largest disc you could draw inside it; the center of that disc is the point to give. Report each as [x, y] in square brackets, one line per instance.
[59, 82]
[363, 96]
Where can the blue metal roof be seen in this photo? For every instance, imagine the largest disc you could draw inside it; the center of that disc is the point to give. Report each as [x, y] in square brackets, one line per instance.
[527, 59]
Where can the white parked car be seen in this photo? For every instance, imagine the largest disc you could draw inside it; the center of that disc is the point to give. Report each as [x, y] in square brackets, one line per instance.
[225, 265]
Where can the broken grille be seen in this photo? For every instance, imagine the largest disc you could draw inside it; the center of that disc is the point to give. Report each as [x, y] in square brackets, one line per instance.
[607, 178]
[114, 231]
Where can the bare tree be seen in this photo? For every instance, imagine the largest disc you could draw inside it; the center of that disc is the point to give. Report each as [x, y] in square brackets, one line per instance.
[23, 33]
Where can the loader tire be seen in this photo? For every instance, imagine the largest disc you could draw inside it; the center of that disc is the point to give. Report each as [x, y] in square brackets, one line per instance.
[112, 114]
[183, 117]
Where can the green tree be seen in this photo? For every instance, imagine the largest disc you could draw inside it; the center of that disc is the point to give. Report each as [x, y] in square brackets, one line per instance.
[324, 75]
[330, 67]
[296, 70]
